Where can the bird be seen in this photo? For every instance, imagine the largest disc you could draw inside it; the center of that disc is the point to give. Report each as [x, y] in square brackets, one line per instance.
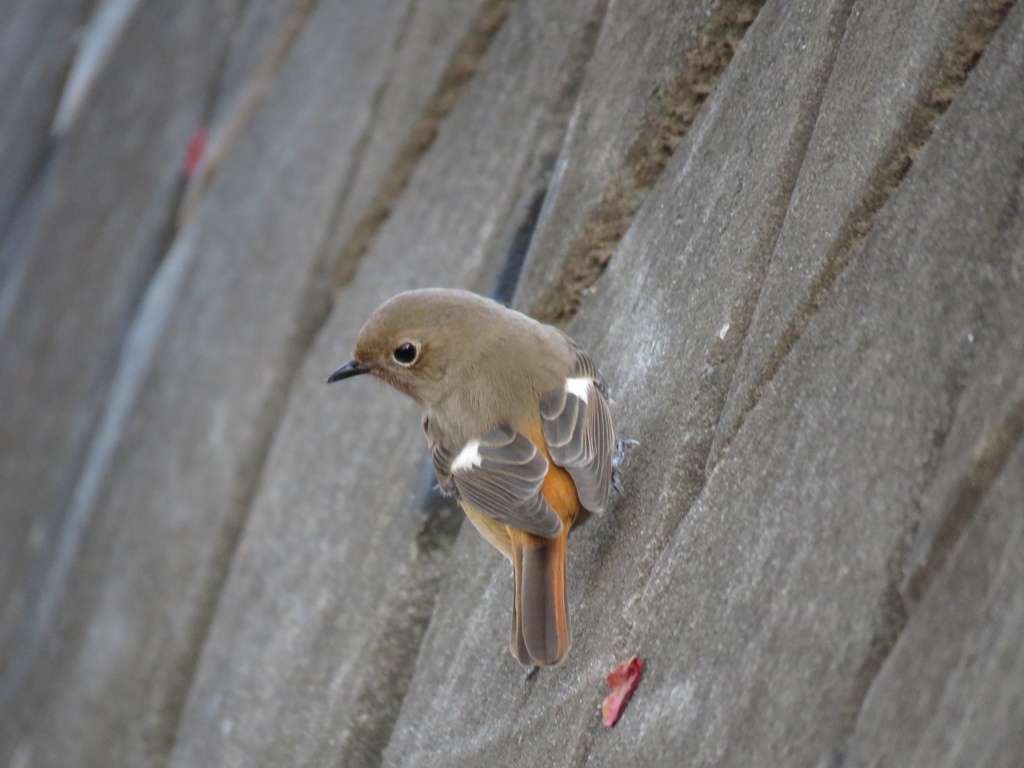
[519, 429]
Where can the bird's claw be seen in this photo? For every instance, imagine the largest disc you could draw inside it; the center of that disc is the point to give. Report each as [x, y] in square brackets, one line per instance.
[621, 446]
[620, 454]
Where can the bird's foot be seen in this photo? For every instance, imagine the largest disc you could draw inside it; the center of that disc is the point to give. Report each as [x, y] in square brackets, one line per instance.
[620, 455]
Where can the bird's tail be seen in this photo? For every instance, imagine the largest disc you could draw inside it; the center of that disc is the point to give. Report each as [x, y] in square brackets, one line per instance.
[540, 624]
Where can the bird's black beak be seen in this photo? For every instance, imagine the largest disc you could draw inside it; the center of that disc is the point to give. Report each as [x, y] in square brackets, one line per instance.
[347, 371]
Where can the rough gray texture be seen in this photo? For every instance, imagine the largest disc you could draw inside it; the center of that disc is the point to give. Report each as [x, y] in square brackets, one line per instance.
[263, 34]
[955, 680]
[661, 60]
[900, 64]
[438, 54]
[791, 557]
[812, 319]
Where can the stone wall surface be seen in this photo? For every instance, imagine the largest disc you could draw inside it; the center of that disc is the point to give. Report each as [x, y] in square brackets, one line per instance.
[36, 47]
[82, 249]
[790, 232]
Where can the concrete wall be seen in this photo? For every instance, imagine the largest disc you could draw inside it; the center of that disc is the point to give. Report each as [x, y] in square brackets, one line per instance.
[790, 232]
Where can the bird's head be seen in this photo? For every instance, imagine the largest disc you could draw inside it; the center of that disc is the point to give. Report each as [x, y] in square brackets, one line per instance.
[411, 340]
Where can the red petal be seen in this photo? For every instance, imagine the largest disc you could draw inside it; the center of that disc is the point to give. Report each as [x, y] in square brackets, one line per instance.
[622, 681]
[194, 153]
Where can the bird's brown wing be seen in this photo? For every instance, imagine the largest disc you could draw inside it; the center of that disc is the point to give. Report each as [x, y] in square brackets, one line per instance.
[578, 432]
[501, 474]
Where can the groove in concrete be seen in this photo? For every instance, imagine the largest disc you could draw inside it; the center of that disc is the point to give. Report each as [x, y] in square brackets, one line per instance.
[312, 312]
[458, 74]
[913, 568]
[885, 180]
[671, 114]
[508, 278]
[726, 356]
[988, 458]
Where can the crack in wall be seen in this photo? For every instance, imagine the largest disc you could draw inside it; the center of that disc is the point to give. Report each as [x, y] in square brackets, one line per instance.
[881, 186]
[454, 80]
[988, 457]
[508, 278]
[670, 116]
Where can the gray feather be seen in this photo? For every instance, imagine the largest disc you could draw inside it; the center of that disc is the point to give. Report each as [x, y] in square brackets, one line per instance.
[579, 435]
[506, 484]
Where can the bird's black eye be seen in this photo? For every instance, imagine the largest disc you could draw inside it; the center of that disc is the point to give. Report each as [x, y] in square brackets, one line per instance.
[405, 354]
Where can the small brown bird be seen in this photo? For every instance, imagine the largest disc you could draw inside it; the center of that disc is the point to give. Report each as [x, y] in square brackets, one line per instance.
[517, 421]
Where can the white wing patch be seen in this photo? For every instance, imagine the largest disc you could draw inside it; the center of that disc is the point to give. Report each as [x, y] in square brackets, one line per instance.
[578, 387]
[468, 458]
[578, 432]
